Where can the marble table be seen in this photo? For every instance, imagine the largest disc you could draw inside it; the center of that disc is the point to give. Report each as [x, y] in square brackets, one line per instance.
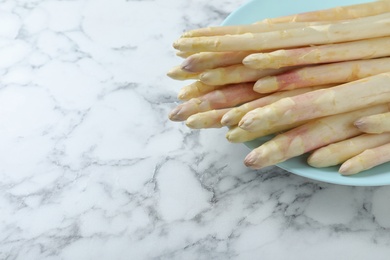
[91, 168]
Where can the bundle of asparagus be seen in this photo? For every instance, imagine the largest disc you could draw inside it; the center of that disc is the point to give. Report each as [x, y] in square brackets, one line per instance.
[319, 82]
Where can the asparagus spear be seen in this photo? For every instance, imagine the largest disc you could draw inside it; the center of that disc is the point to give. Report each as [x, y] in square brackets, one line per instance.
[184, 54]
[374, 124]
[178, 73]
[234, 116]
[307, 137]
[235, 74]
[210, 60]
[226, 97]
[208, 119]
[351, 30]
[238, 135]
[196, 89]
[317, 75]
[259, 27]
[318, 103]
[363, 49]
[366, 160]
[340, 152]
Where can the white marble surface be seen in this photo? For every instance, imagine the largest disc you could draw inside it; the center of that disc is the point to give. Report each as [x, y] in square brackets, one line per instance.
[92, 169]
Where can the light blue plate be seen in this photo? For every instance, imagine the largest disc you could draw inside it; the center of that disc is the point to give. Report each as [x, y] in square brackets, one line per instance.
[260, 9]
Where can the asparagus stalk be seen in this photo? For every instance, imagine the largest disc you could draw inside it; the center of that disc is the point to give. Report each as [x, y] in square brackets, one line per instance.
[178, 73]
[366, 160]
[238, 135]
[340, 152]
[363, 49]
[259, 27]
[374, 124]
[351, 30]
[233, 116]
[210, 60]
[341, 72]
[235, 74]
[196, 89]
[318, 103]
[208, 119]
[225, 97]
[308, 137]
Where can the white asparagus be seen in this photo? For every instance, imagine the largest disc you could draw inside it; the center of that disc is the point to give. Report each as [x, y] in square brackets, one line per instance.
[308, 137]
[208, 119]
[342, 98]
[234, 116]
[342, 151]
[238, 135]
[235, 74]
[178, 73]
[374, 124]
[363, 49]
[196, 89]
[308, 76]
[366, 160]
[352, 30]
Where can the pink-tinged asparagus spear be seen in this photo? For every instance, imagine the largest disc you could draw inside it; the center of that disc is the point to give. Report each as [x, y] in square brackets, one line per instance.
[226, 97]
[363, 49]
[340, 152]
[196, 89]
[351, 30]
[208, 119]
[333, 73]
[338, 13]
[178, 73]
[318, 103]
[210, 60]
[366, 160]
[234, 116]
[238, 135]
[235, 74]
[308, 137]
[374, 124]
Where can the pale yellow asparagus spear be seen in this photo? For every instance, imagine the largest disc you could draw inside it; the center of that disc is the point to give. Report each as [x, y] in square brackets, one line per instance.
[226, 97]
[234, 116]
[374, 124]
[258, 27]
[178, 73]
[208, 119]
[238, 135]
[210, 60]
[363, 49]
[318, 103]
[337, 13]
[366, 160]
[332, 73]
[235, 74]
[196, 89]
[340, 152]
[351, 30]
[184, 54]
[307, 137]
